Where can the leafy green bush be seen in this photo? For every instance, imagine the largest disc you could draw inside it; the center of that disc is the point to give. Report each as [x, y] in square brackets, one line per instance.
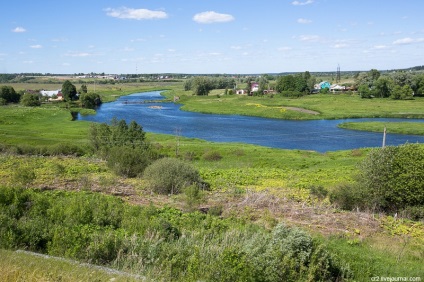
[90, 100]
[127, 161]
[30, 100]
[171, 176]
[390, 179]
[393, 177]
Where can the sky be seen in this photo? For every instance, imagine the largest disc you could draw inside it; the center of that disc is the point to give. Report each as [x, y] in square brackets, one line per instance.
[209, 36]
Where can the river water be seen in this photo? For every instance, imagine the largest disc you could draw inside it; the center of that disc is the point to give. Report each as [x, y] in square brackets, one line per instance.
[316, 135]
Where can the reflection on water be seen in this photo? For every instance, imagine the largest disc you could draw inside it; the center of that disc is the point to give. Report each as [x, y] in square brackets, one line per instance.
[317, 135]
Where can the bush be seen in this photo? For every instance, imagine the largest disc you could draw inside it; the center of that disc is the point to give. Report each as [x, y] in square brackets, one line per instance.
[127, 161]
[171, 176]
[347, 196]
[393, 177]
[30, 100]
[212, 156]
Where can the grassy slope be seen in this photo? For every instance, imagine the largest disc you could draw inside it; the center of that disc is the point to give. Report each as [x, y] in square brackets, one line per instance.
[40, 126]
[21, 266]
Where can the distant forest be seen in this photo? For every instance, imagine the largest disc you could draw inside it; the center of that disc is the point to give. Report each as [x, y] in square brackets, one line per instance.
[22, 77]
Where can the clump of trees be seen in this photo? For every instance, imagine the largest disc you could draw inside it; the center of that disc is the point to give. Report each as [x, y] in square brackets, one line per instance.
[90, 100]
[124, 146]
[30, 100]
[295, 85]
[8, 95]
[202, 85]
[398, 85]
[390, 179]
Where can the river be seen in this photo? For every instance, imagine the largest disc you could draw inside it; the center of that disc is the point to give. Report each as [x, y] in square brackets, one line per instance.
[316, 135]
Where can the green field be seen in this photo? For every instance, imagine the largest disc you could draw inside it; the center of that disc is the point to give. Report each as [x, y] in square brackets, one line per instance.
[255, 184]
[409, 128]
[329, 106]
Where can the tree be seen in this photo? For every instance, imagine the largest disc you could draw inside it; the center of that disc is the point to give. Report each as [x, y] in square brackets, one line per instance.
[201, 86]
[9, 94]
[364, 91]
[83, 88]
[368, 78]
[418, 85]
[90, 100]
[103, 136]
[383, 87]
[402, 93]
[30, 100]
[402, 78]
[69, 91]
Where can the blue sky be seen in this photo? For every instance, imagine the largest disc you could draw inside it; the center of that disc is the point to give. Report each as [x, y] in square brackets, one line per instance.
[210, 36]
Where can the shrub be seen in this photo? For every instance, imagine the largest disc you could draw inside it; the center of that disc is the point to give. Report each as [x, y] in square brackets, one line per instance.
[127, 161]
[24, 175]
[212, 156]
[171, 176]
[193, 196]
[393, 177]
[30, 100]
[318, 191]
[347, 196]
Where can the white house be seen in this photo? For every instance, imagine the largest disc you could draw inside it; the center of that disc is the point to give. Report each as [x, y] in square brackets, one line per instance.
[50, 93]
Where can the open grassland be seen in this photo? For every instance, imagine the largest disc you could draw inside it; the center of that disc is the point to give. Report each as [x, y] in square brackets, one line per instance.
[328, 106]
[410, 128]
[23, 266]
[40, 126]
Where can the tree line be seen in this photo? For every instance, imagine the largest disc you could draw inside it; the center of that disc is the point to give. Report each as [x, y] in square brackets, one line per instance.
[398, 85]
[34, 98]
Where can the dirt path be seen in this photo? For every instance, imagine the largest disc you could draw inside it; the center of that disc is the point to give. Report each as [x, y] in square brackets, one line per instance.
[305, 111]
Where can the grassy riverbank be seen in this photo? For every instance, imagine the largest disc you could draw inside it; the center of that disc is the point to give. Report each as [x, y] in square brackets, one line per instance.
[319, 106]
[409, 128]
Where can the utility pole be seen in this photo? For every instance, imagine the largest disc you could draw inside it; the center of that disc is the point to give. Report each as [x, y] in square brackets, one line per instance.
[384, 137]
[177, 145]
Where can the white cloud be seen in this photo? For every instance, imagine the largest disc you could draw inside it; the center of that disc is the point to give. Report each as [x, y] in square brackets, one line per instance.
[340, 45]
[138, 40]
[236, 47]
[303, 21]
[78, 54]
[38, 46]
[408, 40]
[310, 38]
[135, 14]
[212, 17]
[379, 47]
[19, 29]
[299, 3]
